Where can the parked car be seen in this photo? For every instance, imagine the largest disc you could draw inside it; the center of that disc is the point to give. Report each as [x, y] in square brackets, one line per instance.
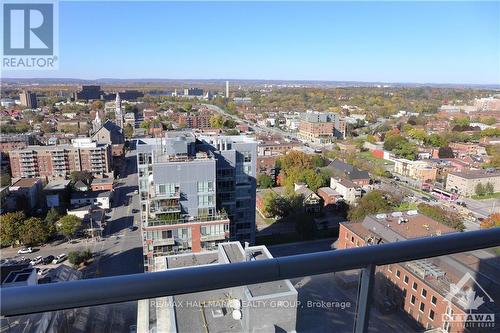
[43, 271]
[425, 199]
[461, 203]
[135, 210]
[132, 228]
[48, 259]
[59, 258]
[136, 192]
[24, 260]
[36, 261]
[25, 250]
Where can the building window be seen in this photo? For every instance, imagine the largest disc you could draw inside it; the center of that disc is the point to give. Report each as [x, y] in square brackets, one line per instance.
[431, 315]
[206, 186]
[434, 300]
[415, 286]
[422, 307]
[352, 240]
[424, 293]
[398, 274]
[405, 280]
[412, 299]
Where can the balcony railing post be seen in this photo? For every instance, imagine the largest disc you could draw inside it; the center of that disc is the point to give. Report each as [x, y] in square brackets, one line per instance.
[364, 299]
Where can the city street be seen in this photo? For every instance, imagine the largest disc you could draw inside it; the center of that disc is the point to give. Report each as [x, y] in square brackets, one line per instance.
[118, 252]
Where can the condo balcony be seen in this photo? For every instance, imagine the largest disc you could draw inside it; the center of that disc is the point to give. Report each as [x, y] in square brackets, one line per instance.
[387, 287]
[177, 218]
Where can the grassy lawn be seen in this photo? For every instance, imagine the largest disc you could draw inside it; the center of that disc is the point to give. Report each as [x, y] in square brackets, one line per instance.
[367, 155]
[487, 196]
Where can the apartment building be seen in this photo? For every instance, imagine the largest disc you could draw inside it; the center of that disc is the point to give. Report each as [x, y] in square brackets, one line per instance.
[236, 181]
[464, 183]
[195, 120]
[188, 195]
[420, 288]
[320, 127]
[52, 162]
[418, 170]
[28, 99]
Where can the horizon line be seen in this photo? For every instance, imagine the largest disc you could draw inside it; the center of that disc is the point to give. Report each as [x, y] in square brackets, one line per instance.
[262, 80]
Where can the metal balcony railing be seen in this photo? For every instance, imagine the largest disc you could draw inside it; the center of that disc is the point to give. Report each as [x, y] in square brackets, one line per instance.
[91, 292]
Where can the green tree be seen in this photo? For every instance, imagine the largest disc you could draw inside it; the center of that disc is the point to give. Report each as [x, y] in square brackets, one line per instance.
[216, 121]
[5, 179]
[374, 202]
[489, 188]
[68, 225]
[480, 189]
[229, 123]
[34, 231]
[10, 227]
[84, 176]
[264, 181]
[128, 131]
[445, 152]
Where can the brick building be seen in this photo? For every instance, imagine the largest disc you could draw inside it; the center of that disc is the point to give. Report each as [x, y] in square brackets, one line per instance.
[50, 162]
[419, 288]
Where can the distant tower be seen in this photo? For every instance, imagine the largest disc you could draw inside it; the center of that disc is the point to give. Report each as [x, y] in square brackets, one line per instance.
[118, 111]
[96, 123]
[227, 89]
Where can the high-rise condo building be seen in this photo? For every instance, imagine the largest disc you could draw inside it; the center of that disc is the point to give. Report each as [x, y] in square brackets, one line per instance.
[195, 192]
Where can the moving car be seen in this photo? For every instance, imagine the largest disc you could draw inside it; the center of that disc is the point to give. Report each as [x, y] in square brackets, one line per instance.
[59, 258]
[36, 261]
[25, 250]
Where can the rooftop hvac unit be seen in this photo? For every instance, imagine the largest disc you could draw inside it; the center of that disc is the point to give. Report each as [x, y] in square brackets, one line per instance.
[236, 314]
[380, 216]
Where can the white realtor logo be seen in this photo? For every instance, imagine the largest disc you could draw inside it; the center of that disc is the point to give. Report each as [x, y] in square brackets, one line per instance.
[469, 300]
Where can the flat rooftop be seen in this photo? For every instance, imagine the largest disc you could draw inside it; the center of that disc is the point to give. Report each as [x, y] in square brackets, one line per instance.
[474, 174]
[25, 182]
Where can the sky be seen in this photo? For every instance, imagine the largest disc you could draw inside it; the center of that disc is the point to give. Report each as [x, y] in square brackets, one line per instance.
[421, 42]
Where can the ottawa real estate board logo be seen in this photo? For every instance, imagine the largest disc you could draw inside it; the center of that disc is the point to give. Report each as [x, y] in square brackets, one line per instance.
[475, 301]
[30, 35]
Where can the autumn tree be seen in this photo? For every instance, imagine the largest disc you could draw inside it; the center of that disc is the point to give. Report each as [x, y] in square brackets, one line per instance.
[491, 221]
[216, 121]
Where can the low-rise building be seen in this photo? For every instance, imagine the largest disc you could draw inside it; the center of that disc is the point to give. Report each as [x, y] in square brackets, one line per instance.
[102, 184]
[422, 288]
[25, 194]
[18, 276]
[348, 190]
[57, 193]
[329, 196]
[350, 172]
[464, 183]
[422, 171]
[310, 200]
[101, 199]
